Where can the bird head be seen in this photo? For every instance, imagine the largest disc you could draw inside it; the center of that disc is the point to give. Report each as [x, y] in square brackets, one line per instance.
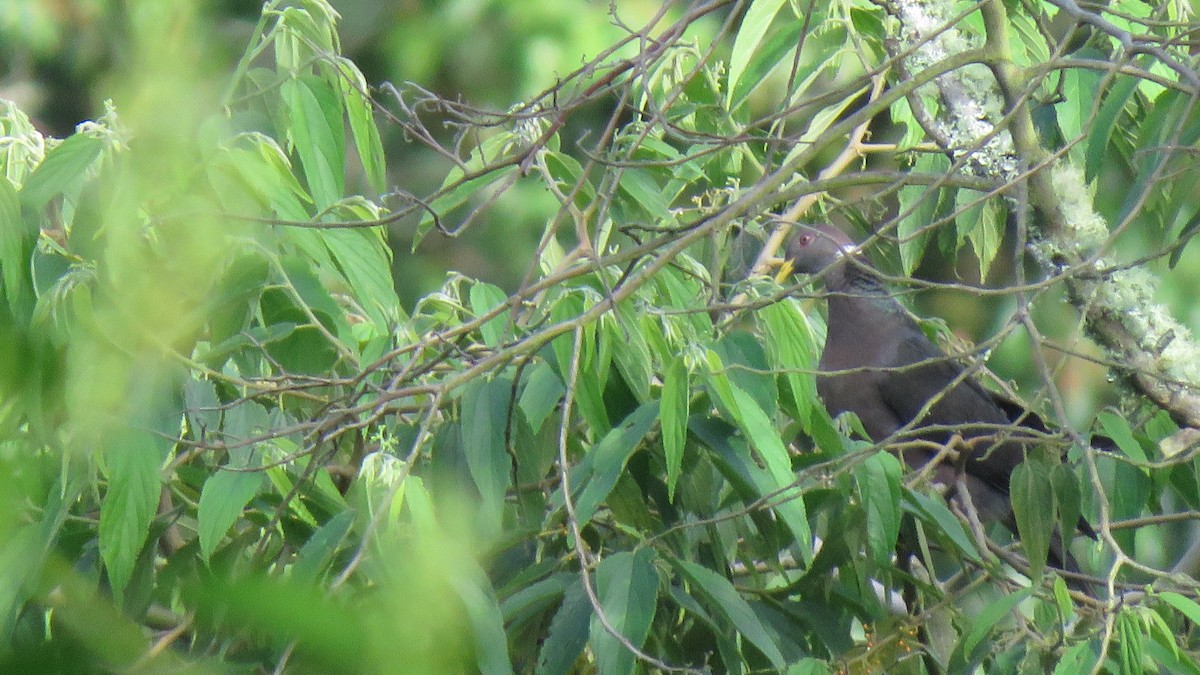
[813, 248]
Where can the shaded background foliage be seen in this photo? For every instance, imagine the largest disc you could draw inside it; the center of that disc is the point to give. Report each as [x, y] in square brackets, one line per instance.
[260, 412]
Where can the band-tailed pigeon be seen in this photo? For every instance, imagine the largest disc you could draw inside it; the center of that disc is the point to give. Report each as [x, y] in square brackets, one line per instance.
[878, 364]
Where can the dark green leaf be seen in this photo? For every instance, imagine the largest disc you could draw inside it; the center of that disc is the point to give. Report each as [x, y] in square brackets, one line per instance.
[627, 586]
[485, 410]
[723, 598]
[879, 489]
[609, 458]
[1033, 508]
[567, 634]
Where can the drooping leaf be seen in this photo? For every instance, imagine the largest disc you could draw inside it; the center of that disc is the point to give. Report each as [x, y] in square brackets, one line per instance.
[879, 488]
[568, 633]
[315, 115]
[609, 457]
[723, 599]
[1033, 508]
[627, 586]
[485, 411]
[674, 420]
[225, 494]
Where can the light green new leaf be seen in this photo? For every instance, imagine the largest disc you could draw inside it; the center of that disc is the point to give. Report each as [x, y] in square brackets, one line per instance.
[879, 488]
[16, 245]
[1033, 508]
[485, 409]
[1184, 604]
[674, 420]
[627, 585]
[754, 424]
[724, 599]
[315, 118]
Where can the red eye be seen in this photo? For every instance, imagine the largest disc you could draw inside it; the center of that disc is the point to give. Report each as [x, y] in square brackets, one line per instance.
[805, 239]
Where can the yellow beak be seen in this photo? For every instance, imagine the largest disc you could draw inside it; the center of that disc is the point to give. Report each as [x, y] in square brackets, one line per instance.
[785, 270]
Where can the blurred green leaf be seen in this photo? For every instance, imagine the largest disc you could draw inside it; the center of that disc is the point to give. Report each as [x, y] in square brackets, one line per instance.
[674, 420]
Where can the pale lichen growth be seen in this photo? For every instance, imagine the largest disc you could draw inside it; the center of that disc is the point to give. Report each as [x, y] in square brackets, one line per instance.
[1087, 230]
[1127, 296]
[972, 105]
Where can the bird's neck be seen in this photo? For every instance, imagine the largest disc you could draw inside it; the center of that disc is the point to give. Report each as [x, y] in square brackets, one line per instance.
[860, 305]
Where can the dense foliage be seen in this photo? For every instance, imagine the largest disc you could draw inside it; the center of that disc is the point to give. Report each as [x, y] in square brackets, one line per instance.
[226, 444]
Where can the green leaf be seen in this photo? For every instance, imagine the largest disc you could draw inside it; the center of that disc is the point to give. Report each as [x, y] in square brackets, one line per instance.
[484, 298]
[879, 488]
[723, 598]
[133, 459]
[792, 346]
[315, 118]
[222, 500]
[933, 510]
[627, 586]
[758, 429]
[365, 262]
[1130, 644]
[487, 624]
[1033, 508]
[608, 459]
[17, 240]
[319, 551]
[457, 188]
[485, 410]
[755, 23]
[921, 204]
[990, 616]
[648, 193]
[62, 171]
[1117, 428]
[1068, 499]
[543, 390]
[1115, 98]
[1077, 659]
[1184, 604]
[567, 634]
[362, 123]
[674, 420]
